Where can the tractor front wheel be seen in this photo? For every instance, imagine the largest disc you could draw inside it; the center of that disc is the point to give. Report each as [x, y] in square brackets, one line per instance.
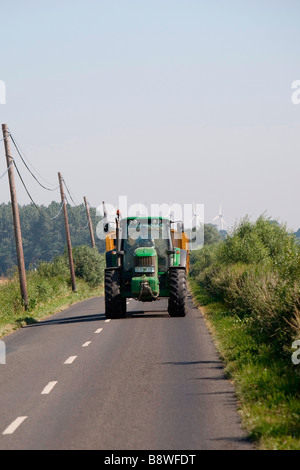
[115, 304]
[178, 292]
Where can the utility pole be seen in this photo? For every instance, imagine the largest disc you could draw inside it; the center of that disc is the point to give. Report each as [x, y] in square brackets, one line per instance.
[90, 222]
[71, 264]
[16, 217]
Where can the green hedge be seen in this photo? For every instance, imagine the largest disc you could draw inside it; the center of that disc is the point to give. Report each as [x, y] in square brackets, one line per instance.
[256, 272]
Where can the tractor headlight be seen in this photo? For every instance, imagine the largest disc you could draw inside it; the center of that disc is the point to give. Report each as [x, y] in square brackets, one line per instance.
[144, 269]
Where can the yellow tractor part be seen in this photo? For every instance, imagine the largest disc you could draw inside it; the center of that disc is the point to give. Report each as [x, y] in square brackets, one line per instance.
[180, 240]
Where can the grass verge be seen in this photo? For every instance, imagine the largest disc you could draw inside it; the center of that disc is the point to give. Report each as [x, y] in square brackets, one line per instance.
[47, 295]
[49, 288]
[267, 383]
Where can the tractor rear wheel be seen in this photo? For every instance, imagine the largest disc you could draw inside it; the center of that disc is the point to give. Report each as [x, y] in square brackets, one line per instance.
[178, 292]
[115, 304]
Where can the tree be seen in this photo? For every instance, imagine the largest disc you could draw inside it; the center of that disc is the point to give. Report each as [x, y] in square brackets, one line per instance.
[211, 234]
[43, 233]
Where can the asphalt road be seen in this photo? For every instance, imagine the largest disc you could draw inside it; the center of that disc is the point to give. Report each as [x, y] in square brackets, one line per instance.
[147, 382]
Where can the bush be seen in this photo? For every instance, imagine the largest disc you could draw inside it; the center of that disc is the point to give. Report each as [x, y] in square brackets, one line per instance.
[58, 267]
[203, 258]
[255, 271]
[89, 265]
[264, 241]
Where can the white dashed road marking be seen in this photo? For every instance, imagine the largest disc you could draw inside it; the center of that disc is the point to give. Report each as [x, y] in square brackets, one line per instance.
[70, 360]
[14, 425]
[48, 388]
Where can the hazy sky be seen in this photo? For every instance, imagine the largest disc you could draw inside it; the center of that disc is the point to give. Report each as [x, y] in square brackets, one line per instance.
[162, 101]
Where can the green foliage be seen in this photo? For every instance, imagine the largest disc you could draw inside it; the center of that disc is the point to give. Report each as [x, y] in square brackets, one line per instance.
[256, 272]
[263, 242]
[203, 258]
[266, 381]
[89, 264]
[211, 234]
[49, 287]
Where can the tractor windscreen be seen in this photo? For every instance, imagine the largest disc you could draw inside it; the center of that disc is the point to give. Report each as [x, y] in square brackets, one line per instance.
[136, 233]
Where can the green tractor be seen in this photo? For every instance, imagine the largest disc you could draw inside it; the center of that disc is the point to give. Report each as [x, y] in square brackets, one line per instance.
[146, 260]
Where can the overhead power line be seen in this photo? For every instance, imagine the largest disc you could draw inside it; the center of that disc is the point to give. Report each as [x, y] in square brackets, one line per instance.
[75, 205]
[24, 162]
[6, 169]
[22, 157]
[30, 197]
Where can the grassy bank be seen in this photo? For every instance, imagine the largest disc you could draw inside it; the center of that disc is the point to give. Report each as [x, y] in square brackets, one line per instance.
[248, 290]
[49, 289]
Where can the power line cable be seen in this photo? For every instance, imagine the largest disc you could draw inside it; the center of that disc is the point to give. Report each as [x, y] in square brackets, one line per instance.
[30, 197]
[6, 170]
[32, 174]
[73, 215]
[69, 192]
[43, 186]
[76, 205]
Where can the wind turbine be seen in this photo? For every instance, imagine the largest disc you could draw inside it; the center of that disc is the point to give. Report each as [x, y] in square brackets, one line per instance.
[196, 219]
[220, 216]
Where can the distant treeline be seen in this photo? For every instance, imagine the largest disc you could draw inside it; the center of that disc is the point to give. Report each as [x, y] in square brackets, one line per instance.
[43, 233]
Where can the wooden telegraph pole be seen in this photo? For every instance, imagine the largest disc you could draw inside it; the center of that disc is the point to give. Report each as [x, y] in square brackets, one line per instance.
[63, 200]
[90, 222]
[16, 217]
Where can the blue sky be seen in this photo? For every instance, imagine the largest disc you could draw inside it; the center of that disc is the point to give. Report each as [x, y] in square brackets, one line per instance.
[161, 101]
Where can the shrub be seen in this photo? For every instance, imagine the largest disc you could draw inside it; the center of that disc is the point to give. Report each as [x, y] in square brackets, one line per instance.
[89, 264]
[255, 271]
[58, 267]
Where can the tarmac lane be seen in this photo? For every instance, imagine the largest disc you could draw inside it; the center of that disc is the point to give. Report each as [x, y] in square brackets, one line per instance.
[143, 382]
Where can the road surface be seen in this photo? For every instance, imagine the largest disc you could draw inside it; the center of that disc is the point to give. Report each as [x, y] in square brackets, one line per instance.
[145, 382]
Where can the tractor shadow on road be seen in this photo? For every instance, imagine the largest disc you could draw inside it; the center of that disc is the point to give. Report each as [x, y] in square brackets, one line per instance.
[94, 317]
[146, 314]
[66, 320]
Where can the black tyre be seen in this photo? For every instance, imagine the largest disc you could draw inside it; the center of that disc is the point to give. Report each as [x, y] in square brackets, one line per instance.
[178, 292]
[115, 304]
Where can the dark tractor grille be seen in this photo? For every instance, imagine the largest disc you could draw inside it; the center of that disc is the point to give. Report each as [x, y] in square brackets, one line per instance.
[145, 265]
[145, 261]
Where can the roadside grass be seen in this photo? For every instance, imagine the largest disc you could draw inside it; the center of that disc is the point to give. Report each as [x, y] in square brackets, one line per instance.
[49, 289]
[46, 297]
[266, 381]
